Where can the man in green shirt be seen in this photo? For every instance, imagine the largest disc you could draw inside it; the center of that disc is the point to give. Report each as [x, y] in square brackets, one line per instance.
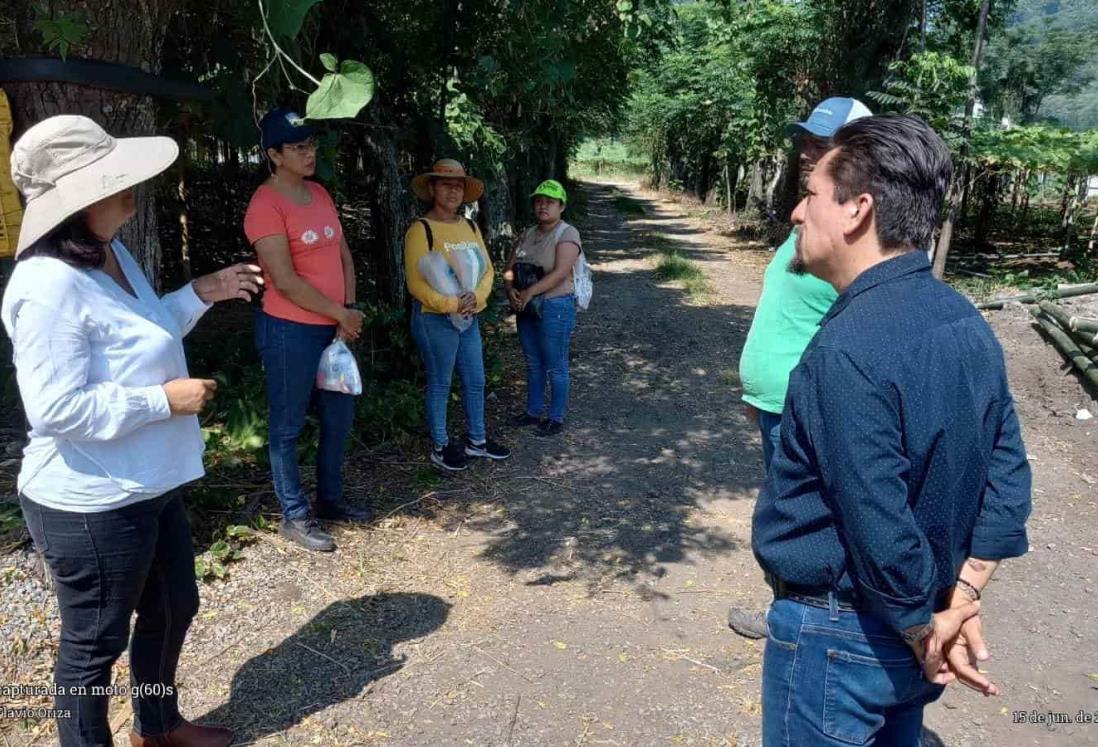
[787, 316]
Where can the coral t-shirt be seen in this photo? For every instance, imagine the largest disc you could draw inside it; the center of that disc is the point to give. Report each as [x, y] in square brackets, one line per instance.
[315, 237]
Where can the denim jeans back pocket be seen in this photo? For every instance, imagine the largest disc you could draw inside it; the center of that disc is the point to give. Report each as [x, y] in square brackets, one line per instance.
[859, 689]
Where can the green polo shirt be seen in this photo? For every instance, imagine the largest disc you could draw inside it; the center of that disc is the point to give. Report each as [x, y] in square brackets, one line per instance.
[788, 316]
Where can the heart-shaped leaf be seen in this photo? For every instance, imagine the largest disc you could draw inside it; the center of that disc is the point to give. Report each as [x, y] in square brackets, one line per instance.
[286, 16]
[341, 94]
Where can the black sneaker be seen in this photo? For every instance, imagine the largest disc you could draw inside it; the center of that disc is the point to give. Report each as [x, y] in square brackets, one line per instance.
[550, 428]
[344, 512]
[307, 533]
[450, 457]
[487, 450]
[525, 419]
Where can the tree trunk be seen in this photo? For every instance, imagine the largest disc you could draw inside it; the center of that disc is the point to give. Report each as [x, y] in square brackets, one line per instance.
[791, 185]
[942, 252]
[772, 187]
[1024, 211]
[1092, 247]
[1073, 190]
[922, 26]
[730, 192]
[128, 32]
[1019, 180]
[390, 208]
[987, 204]
[184, 223]
[755, 187]
[499, 215]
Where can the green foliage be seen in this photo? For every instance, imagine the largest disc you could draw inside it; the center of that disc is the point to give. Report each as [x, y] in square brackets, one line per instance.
[673, 266]
[470, 132]
[60, 31]
[723, 89]
[343, 91]
[1047, 53]
[11, 517]
[212, 563]
[235, 429]
[1034, 60]
[1037, 148]
[346, 87]
[606, 156]
[931, 85]
[285, 17]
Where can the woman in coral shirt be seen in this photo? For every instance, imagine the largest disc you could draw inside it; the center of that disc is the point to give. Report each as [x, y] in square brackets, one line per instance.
[294, 226]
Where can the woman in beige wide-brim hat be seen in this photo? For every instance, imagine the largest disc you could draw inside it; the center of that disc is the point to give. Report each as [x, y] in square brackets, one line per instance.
[447, 168]
[443, 347]
[114, 432]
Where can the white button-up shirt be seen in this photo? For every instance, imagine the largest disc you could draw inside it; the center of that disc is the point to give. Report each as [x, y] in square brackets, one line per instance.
[91, 361]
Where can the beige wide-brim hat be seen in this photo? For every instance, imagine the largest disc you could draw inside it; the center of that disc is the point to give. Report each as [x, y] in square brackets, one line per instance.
[448, 168]
[66, 163]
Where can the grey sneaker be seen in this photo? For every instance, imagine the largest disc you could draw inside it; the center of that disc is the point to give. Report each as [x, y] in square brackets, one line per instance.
[307, 533]
[748, 623]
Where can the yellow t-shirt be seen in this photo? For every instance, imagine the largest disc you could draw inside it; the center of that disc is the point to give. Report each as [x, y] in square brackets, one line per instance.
[447, 237]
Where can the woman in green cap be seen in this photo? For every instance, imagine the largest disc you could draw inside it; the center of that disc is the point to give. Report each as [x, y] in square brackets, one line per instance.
[547, 307]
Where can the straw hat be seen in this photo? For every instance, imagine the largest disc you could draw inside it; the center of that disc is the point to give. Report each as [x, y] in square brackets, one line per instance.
[448, 168]
[66, 163]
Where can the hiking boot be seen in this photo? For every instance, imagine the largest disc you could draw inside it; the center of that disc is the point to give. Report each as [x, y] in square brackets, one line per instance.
[344, 512]
[488, 449]
[748, 623]
[306, 532]
[550, 428]
[450, 457]
[525, 419]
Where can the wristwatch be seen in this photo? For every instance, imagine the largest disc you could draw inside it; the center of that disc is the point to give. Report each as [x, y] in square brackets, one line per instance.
[916, 633]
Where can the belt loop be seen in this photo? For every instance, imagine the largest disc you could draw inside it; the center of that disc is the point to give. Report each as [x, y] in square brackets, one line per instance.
[833, 606]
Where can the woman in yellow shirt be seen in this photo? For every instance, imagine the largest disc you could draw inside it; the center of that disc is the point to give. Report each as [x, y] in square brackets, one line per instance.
[446, 187]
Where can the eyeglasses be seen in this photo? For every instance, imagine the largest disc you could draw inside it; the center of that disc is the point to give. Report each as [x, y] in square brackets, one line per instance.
[303, 147]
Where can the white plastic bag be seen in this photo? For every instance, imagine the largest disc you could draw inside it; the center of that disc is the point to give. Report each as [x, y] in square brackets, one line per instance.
[441, 276]
[338, 371]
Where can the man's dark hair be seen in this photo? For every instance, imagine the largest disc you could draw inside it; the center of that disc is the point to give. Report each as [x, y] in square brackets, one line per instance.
[73, 243]
[903, 163]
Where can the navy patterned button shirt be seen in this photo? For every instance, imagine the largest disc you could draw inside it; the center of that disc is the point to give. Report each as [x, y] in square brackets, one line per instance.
[900, 453]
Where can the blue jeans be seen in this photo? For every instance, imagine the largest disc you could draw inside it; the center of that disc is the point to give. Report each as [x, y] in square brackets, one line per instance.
[290, 352]
[545, 344]
[443, 348]
[106, 566]
[832, 677]
[770, 428]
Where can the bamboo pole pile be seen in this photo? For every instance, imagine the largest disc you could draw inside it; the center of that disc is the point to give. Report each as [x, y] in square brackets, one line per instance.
[1085, 289]
[1073, 336]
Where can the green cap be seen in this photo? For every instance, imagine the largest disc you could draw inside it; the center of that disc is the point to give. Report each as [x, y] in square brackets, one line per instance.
[551, 188]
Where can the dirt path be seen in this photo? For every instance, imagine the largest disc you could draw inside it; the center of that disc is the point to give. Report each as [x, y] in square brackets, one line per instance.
[577, 594]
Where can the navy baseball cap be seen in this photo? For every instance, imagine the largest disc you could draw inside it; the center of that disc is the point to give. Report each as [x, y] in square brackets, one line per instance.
[281, 126]
[830, 115]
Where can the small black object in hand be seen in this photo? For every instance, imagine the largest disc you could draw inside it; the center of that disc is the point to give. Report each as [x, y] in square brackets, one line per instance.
[526, 274]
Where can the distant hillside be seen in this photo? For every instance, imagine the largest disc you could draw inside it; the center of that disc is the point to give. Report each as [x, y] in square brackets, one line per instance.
[1077, 110]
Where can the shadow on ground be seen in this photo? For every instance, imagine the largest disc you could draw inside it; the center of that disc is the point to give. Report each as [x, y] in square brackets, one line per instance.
[655, 427]
[332, 658]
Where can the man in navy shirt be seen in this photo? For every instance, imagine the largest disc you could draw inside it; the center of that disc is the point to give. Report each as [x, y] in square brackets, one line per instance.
[900, 480]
